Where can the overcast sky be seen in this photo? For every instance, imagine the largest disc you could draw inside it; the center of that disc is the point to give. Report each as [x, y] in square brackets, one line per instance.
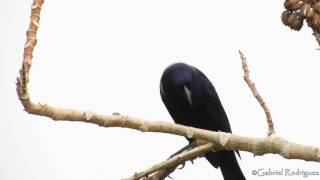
[108, 56]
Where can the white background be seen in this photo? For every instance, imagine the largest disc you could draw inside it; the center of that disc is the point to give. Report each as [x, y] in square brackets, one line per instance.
[108, 56]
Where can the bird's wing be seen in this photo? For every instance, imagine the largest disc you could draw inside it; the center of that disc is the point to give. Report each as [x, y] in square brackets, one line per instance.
[213, 111]
[206, 98]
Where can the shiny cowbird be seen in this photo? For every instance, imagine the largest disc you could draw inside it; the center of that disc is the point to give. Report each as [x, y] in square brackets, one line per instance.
[192, 100]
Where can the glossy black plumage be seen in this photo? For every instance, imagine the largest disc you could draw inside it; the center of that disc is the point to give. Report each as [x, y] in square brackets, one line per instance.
[192, 100]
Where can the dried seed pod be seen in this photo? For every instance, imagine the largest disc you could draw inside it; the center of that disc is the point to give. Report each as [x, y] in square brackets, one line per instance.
[307, 11]
[284, 17]
[292, 19]
[297, 22]
[316, 6]
[293, 4]
[309, 23]
[310, 1]
[316, 20]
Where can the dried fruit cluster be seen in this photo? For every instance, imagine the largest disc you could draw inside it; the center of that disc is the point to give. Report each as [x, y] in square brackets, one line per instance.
[299, 10]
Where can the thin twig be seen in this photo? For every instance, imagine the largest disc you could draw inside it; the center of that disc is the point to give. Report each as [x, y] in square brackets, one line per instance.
[23, 80]
[256, 94]
[174, 161]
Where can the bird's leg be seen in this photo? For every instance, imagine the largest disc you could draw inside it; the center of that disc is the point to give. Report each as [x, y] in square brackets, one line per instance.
[188, 147]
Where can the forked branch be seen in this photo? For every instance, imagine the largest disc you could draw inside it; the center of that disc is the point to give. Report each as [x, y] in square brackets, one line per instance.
[174, 161]
[220, 140]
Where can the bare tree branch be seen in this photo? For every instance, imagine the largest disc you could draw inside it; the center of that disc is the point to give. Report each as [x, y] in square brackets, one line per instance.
[258, 146]
[162, 174]
[174, 161]
[22, 81]
[220, 140]
[256, 93]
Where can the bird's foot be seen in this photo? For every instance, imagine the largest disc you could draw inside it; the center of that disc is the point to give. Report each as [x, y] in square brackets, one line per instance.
[182, 166]
[188, 147]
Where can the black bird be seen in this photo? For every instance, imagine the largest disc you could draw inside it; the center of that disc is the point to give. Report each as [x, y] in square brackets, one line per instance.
[192, 100]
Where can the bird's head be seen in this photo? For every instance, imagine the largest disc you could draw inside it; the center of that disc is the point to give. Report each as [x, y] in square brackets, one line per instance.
[176, 81]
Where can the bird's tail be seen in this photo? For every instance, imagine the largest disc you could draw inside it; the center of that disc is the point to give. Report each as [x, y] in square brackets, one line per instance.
[228, 164]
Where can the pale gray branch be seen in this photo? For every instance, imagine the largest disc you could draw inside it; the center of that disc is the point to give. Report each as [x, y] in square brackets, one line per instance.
[176, 160]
